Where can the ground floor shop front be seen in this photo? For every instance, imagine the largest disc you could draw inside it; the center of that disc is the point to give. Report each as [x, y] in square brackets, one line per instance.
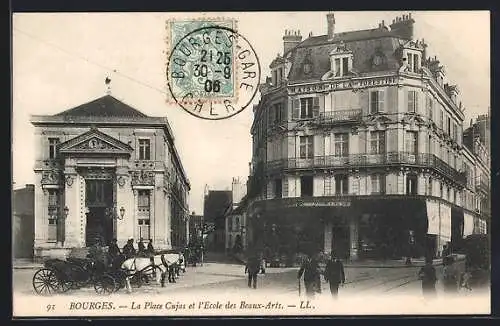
[389, 227]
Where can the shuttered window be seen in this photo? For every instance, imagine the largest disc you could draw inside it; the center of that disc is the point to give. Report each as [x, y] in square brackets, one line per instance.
[306, 149]
[376, 101]
[377, 142]
[143, 218]
[341, 144]
[53, 213]
[412, 101]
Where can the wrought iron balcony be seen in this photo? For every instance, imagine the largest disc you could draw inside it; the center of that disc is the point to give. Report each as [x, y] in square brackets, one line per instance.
[483, 185]
[339, 116]
[367, 160]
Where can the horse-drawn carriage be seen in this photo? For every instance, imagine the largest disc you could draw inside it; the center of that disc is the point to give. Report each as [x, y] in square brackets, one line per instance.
[59, 276]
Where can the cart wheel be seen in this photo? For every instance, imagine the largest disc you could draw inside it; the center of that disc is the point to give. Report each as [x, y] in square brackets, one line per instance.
[150, 273]
[45, 282]
[105, 285]
[65, 286]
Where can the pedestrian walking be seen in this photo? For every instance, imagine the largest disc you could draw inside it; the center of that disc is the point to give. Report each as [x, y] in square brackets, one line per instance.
[428, 276]
[334, 274]
[311, 273]
[253, 268]
[450, 275]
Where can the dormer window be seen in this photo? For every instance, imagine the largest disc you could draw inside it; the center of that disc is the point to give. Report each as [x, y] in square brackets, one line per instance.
[412, 55]
[341, 61]
[413, 61]
[307, 68]
[307, 64]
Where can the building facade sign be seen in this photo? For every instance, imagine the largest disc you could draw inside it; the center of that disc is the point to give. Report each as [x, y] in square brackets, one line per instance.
[319, 203]
[353, 84]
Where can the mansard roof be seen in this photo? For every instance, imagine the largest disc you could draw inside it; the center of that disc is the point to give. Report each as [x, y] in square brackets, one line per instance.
[365, 44]
[106, 106]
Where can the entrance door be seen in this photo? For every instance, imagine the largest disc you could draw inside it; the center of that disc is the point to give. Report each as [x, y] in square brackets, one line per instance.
[340, 241]
[99, 200]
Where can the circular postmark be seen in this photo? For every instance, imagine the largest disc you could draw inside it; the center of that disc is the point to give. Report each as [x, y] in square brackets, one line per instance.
[213, 72]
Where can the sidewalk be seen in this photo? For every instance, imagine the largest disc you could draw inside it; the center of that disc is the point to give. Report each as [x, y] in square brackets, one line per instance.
[400, 263]
[25, 263]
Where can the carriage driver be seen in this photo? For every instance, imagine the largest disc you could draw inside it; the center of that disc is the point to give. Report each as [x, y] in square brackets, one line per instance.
[128, 249]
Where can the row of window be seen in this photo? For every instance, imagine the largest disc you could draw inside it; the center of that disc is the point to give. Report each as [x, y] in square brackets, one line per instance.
[338, 145]
[144, 150]
[378, 183]
[308, 107]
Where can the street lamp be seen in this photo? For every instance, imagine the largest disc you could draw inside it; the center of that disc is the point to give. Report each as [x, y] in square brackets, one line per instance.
[122, 213]
[66, 212]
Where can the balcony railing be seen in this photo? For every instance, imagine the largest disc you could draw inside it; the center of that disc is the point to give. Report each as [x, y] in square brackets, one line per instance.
[367, 160]
[339, 116]
[483, 185]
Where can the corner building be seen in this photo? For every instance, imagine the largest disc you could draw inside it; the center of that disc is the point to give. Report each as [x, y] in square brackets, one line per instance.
[105, 170]
[357, 147]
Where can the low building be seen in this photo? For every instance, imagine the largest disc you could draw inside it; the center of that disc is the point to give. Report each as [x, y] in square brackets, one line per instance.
[23, 221]
[216, 204]
[105, 170]
[195, 227]
[235, 226]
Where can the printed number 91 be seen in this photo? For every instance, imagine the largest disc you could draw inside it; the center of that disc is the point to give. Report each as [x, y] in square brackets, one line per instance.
[51, 307]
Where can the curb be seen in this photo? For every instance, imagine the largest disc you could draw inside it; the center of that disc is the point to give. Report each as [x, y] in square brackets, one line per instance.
[28, 267]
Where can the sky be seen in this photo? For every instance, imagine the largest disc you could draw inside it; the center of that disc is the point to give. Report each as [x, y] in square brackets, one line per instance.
[60, 60]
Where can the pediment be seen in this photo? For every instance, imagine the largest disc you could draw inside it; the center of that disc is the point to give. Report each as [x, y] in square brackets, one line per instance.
[94, 141]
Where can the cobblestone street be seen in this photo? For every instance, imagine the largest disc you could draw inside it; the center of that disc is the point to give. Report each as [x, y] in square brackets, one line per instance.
[220, 278]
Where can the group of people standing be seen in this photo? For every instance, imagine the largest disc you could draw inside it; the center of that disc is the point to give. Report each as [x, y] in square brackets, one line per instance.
[96, 252]
[309, 270]
[453, 280]
[333, 274]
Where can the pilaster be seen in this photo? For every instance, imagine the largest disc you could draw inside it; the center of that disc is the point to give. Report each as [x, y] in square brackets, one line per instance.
[354, 237]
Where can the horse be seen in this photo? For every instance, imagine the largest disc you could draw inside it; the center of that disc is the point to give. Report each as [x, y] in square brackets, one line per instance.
[166, 263]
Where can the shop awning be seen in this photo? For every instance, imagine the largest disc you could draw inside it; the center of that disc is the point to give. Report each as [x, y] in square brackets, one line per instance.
[468, 224]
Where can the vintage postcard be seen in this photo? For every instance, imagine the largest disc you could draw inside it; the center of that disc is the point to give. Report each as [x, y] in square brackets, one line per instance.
[251, 163]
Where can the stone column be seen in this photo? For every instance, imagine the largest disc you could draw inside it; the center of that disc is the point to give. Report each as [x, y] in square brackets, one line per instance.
[73, 195]
[41, 220]
[328, 237]
[168, 221]
[125, 199]
[159, 219]
[354, 237]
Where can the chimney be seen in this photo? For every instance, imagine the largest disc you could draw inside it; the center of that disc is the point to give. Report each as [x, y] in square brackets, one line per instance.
[290, 40]
[330, 20]
[403, 27]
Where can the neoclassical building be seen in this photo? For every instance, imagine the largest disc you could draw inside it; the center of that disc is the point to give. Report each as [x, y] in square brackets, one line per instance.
[105, 170]
[358, 148]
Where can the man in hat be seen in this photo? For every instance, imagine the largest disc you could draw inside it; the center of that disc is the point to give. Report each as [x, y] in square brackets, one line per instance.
[113, 251]
[128, 249]
[150, 249]
[141, 248]
[311, 273]
[334, 274]
[252, 267]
